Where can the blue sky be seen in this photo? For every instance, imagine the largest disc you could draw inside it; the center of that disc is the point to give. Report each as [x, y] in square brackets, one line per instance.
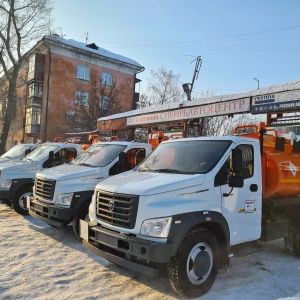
[238, 40]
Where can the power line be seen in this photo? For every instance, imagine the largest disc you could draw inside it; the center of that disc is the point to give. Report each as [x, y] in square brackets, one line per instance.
[201, 40]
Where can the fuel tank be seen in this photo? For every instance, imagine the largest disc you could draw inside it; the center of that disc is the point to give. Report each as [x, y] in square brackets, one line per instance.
[282, 176]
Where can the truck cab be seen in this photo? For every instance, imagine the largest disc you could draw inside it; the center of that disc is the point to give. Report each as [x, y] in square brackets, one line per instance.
[17, 177]
[62, 195]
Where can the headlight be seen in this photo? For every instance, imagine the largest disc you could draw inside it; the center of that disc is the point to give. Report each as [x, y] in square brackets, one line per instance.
[156, 227]
[5, 184]
[64, 199]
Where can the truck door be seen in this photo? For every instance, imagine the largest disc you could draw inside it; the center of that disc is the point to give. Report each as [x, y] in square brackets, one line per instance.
[239, 206]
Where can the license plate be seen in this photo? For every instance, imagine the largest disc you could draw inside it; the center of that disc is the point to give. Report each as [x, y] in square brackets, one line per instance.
[28, 202]
[84, 230]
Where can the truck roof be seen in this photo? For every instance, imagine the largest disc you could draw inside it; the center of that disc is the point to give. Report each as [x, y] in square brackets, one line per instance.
[233, 138]
[126, 143]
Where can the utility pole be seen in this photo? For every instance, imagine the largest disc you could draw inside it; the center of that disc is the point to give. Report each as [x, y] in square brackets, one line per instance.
[188, 87]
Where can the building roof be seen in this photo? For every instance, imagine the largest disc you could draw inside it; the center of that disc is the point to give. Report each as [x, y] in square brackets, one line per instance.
[93, 48]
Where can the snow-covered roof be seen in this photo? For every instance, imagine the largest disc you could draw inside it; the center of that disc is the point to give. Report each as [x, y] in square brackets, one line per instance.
[287, 86]
[99, 51]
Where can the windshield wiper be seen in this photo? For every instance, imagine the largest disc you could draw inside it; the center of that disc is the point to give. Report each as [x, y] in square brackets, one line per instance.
[86, 165]
[166, 170]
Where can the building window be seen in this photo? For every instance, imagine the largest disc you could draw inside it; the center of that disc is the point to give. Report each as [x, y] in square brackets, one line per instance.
[31, 65]
[3, 106]
[81, 98]
[20, 80]
[35, 89]
[33, 116]
[106, 78]
[83, 72]
[18, 103]
[17, 125]
[104, 102]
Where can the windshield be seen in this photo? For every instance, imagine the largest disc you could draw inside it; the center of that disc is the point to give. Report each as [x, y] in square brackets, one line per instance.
[17, 151]
[98, 155]
[185, 157]
[40, 152]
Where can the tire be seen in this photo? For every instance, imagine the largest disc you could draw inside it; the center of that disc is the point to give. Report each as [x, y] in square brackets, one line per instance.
[19, 200]
[292, 240]
[82, 214]
[194, 269]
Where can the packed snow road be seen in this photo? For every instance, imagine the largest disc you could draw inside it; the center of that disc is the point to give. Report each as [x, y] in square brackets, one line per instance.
[42, 262]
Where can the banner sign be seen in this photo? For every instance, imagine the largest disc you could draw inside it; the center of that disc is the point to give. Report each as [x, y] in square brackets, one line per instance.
[213, 109]
[276, 102]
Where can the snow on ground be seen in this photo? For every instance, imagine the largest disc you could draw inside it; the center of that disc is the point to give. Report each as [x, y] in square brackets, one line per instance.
[38, 261]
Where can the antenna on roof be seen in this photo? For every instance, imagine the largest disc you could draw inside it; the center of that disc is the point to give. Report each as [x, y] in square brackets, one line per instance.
[87, 38]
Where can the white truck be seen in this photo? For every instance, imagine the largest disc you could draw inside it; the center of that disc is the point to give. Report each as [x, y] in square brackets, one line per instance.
[62, 195]
[17, 176]
[191, 201]
[17, 152]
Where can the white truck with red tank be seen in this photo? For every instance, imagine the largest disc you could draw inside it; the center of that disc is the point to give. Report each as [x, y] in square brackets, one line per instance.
[192, 200]
[63, 194]
[17, 176]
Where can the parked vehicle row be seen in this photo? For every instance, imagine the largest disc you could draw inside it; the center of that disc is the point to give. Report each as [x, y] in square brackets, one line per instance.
[183, 206]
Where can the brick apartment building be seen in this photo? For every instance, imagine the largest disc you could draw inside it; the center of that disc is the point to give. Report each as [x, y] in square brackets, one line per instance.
[52, 74]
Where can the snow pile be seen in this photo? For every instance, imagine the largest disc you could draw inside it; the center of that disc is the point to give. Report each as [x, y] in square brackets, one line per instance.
[42, 262]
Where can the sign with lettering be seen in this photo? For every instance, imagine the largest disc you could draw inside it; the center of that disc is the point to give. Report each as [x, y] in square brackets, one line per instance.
[213, 109]
[285, 101]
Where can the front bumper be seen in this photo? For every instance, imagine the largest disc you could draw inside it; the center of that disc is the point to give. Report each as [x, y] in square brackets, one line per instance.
[5, 194]
[49, 213]
[130, 252]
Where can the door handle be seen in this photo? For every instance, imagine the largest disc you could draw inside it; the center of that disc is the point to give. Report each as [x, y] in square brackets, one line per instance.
[253, 187]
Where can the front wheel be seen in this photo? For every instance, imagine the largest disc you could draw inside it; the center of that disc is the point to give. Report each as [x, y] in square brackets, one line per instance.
[194, 269]
[19, 200]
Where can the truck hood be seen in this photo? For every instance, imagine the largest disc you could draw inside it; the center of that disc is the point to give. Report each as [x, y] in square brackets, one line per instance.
[65, 172]
[17, 164]
[148, 183]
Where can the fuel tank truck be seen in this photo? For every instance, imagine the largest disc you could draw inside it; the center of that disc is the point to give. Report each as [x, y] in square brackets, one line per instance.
[193, 200]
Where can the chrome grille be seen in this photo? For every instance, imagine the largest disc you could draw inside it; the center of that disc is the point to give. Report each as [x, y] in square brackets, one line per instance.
[117, 209]
[44, 188]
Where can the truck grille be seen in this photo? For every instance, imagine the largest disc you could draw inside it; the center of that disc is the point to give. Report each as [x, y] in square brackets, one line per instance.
[44, 188]
[117, 209]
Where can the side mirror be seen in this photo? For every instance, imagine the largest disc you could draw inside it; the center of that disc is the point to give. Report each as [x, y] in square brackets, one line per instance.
[122, 162]
[236, 160]
[50, 160]
[236, 181]
[137, 158]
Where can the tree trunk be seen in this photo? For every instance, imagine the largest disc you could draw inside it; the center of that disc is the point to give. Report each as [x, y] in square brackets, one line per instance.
[9, 108]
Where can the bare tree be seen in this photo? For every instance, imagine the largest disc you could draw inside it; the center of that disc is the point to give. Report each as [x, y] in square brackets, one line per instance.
[21, 23]
[163, 87]
[99, 101]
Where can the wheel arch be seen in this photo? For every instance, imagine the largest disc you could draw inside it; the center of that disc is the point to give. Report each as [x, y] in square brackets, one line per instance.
[212, 221]
[18, 184]
[81, 199]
